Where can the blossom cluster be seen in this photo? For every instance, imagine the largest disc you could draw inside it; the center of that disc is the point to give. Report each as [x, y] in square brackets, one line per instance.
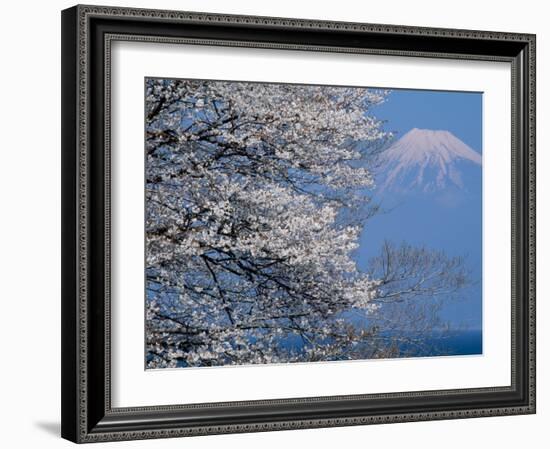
[246, 244]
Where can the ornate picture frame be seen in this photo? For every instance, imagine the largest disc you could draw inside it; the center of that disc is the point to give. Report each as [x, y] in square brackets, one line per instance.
[88, 34]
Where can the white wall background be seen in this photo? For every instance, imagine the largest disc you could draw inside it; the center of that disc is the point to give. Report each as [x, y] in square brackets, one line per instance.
[30, 222]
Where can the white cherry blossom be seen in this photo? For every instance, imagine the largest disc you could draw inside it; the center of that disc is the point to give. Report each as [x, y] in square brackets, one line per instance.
[248, 186]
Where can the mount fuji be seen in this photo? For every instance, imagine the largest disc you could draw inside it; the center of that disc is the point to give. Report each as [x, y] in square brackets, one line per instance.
[426, 161]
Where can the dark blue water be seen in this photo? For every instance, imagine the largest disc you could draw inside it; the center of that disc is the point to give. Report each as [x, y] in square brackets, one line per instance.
[435, 344]
[468, 342]
[462, 343]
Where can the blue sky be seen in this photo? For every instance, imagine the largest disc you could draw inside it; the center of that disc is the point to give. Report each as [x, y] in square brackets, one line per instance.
[456, 229]
[457, 112]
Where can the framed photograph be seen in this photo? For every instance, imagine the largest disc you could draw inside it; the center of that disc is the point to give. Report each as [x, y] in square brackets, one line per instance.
[277, 224]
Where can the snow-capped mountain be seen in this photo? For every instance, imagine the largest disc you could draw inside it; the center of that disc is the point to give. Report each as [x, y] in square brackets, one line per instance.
[428, 160]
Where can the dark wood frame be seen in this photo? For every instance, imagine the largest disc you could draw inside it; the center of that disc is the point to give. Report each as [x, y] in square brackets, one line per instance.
[87, 32]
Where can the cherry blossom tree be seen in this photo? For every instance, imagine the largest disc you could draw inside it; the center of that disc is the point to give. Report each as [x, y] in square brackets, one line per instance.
[254, 194]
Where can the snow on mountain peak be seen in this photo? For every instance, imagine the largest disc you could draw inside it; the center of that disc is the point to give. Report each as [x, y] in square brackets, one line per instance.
[426, 159]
